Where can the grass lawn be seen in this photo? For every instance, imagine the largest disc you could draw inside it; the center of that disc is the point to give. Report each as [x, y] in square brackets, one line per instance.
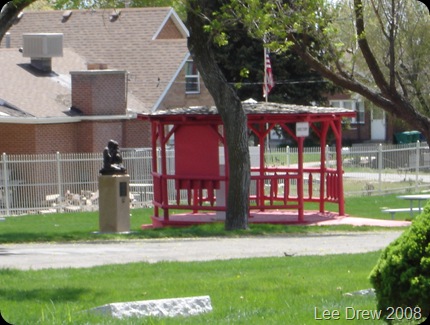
[244, 291]
[286, 290]
[83, 226]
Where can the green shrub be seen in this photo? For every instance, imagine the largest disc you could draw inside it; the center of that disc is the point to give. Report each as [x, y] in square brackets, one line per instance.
[401, 277]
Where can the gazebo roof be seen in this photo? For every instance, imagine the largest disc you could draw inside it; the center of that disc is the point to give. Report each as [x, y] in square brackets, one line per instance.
[268, 109]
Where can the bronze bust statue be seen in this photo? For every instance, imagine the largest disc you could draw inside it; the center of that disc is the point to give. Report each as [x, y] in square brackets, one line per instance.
[112, 160]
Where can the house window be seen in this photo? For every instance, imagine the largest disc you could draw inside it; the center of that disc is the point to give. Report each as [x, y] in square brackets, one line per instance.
[357, 106]
[192, 78]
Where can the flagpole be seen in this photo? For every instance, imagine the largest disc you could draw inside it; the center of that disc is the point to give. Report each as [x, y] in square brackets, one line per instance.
[266, 92]
[265, 75]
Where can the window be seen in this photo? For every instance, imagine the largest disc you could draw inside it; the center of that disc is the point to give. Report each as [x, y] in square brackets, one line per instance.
[357, 106]
[192, 78]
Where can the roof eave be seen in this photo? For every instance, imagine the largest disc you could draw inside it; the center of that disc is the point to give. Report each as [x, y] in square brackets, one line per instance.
[61, 120]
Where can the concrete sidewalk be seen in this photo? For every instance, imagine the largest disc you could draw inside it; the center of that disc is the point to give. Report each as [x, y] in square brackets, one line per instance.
[89, 254]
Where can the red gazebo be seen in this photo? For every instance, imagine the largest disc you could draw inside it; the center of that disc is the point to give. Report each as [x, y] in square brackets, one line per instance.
[197, 180]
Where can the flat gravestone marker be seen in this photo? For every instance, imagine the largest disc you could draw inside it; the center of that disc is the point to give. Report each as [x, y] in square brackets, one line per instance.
[187, 306]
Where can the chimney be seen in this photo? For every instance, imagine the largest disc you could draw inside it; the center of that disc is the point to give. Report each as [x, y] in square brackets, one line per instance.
[97, 66]
[100, 92]
[41, 48]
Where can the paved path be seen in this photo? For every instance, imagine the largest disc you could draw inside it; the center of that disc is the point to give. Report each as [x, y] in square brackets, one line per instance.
[88, 254]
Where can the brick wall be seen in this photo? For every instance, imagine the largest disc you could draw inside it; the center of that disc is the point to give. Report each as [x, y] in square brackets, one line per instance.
[100, 92]
[17, 138]
[51, 138]
[136, 134]
[105, 131]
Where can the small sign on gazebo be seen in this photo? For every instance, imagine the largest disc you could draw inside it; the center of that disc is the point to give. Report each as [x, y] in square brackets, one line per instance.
[302, 129]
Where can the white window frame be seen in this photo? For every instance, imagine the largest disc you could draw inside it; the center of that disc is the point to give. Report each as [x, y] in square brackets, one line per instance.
[357, 106]
[191, 79]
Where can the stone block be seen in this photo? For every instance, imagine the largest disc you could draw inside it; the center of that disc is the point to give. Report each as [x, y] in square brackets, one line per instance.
[172, 307]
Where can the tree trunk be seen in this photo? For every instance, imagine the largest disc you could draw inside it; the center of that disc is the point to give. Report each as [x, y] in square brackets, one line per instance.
[230, 109]
[9, 12]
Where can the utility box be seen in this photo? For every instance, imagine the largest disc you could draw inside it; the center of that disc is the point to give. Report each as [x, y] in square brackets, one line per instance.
[42, 45]
[114, 203]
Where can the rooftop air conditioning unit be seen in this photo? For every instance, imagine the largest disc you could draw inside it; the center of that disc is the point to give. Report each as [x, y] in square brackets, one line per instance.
[42, 45]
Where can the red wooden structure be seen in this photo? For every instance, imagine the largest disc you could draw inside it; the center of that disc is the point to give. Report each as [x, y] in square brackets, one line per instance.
[199, 176]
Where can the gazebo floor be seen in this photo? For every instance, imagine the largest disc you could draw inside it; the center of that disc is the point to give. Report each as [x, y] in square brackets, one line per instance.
[284, 217]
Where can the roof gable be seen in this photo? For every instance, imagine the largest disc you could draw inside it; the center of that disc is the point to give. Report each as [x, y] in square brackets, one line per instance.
[172, 28]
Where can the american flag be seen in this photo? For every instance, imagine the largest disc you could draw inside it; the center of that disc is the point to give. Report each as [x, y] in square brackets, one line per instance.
[269, 83]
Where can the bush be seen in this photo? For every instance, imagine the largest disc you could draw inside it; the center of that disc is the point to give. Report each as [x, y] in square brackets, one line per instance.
[401, 277]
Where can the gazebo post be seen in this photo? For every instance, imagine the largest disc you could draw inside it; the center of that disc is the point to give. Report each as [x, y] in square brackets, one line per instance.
[300, 192]
[339, 169]
[154, 156]
[323, 142]
[262, 142]
[164, 187]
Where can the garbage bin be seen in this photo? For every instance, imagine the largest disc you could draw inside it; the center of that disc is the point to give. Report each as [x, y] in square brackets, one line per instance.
[407, 137]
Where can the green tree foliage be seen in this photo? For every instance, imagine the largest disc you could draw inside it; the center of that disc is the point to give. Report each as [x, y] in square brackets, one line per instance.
[295, 82]
[401, 277]
[376, 48]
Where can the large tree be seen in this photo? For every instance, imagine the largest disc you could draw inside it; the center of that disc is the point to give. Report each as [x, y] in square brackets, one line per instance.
[229, 106]
[378, 50]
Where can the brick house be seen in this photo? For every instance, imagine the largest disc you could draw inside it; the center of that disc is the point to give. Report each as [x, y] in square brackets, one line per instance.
[371, 124]
[72, 80]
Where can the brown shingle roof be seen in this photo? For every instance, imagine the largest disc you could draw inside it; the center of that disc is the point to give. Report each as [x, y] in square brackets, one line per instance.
[125, 43]
[25, 92]
[37, 95]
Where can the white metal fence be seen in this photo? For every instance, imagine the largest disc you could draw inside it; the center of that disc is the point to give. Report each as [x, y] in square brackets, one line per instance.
[68, 182]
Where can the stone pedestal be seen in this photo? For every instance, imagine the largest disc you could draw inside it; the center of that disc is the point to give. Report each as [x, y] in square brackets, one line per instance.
[114, 203]
[221, 196]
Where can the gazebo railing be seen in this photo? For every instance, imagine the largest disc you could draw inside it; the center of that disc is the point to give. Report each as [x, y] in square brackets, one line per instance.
[274, 187]
[332, 185]
[277, 187]
[190, 193]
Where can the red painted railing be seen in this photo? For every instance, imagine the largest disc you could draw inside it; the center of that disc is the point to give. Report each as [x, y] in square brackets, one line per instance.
[272, 188]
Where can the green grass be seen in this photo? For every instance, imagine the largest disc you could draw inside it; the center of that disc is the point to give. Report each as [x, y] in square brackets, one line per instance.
[84, 225]
[244, 291]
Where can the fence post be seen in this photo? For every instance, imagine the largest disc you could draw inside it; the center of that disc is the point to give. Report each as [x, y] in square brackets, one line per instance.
[380, 166]
[288, 155]
[59, 176]
[417, 164]
[327, 155]
[6, 183]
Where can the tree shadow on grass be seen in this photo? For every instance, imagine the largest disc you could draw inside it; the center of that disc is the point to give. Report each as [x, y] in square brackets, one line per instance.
[63, 294]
